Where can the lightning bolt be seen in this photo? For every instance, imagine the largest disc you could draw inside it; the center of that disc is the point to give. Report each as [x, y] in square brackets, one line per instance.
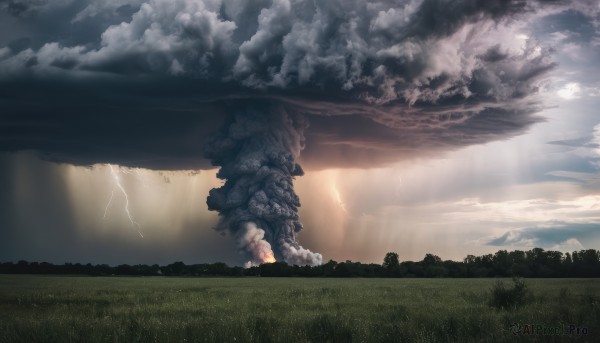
[338, 197]
[112, 194]
[115, 175]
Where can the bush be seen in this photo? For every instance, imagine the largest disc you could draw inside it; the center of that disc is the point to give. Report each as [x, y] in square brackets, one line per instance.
[503, 297]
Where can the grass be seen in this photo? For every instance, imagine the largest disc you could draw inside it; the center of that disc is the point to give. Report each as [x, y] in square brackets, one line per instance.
[159, 309]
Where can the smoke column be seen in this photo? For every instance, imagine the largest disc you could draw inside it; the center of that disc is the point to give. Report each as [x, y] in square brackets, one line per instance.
[257, 150]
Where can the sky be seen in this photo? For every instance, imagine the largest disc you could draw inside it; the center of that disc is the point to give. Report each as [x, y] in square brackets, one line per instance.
[445, 127]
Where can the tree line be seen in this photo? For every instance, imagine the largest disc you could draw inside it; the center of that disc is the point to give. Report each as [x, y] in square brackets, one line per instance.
[532, 263]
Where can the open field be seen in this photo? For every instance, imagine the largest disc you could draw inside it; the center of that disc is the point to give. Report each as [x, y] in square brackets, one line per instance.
[148, 309]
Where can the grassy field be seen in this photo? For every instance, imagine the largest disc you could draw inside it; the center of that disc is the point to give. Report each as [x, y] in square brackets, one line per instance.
[159, 309]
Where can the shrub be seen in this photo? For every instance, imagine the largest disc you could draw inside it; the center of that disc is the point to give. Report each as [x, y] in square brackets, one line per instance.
[505, 297]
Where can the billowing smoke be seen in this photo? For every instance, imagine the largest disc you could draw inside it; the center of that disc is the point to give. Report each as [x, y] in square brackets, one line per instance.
[251, 241]
[257, 151]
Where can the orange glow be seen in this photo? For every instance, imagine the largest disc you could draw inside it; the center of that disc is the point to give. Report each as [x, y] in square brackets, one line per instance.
[269, 258]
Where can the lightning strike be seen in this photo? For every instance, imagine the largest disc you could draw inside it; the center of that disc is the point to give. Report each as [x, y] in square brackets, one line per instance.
[112, 194]
[338, 197]
[115, 175]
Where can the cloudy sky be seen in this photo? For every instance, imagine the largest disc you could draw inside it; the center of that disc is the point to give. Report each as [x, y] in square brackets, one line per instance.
[445, 127]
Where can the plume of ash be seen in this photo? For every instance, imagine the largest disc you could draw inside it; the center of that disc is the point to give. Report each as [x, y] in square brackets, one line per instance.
[257, 150]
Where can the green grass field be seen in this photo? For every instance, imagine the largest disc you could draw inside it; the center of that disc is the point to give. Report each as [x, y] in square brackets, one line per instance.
[160, 309]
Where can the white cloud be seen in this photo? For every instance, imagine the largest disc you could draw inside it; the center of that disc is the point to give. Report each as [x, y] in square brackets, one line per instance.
[596, 139]
[552, 235]
[594, 91]
[558, 36]
[583, 209]
[569, 91]
[571, 244]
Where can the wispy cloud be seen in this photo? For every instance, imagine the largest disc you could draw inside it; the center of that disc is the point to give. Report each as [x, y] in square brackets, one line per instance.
[581, 209]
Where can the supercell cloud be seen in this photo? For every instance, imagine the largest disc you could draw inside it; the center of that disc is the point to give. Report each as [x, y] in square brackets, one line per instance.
[142, 83]
[256, 87]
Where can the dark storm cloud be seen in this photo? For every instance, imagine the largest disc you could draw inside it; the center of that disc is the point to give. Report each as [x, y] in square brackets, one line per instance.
[66, 22]
[141, 84]
[88, 125]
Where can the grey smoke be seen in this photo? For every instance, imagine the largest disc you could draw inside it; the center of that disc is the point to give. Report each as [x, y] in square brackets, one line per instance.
[257, 151]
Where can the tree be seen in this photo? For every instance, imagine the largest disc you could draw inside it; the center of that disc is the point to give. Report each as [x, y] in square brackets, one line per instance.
[502, 263]
[430, 260]
[567, 261]
[470, 259]
[391, 261]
